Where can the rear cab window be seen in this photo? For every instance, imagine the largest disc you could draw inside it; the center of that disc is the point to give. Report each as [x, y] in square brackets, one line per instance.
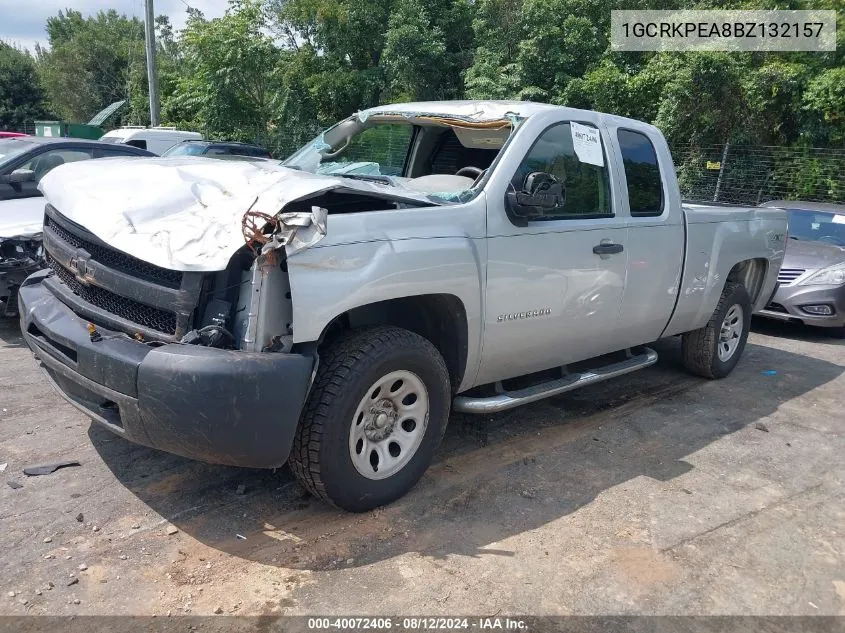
[642, 174]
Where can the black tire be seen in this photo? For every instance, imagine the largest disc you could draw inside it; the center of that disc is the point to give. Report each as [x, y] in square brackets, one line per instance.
[700, 347]
[348, 368]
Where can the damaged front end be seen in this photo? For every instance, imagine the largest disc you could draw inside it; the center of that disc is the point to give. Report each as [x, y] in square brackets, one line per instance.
[248, 306]
[19, 258]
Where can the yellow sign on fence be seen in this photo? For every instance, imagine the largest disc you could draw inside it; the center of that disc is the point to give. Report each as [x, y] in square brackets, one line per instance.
[714, 165]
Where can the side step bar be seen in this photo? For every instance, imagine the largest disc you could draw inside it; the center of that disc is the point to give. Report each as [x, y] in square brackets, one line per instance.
[510, 399]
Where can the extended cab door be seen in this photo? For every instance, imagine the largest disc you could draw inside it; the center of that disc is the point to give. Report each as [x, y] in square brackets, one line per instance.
[656, 237]
[554, 283]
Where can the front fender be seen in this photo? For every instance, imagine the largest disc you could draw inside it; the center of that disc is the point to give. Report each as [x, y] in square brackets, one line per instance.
[328, 280]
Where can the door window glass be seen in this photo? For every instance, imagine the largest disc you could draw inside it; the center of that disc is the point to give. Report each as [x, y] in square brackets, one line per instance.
[586, 186]
[49, 160]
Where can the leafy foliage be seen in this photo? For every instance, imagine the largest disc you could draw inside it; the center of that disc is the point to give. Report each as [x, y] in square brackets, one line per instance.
[275, 71]
[93, 62]
[21, 95]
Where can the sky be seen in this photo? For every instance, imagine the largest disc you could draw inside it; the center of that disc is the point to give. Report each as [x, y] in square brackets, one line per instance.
[22, 21]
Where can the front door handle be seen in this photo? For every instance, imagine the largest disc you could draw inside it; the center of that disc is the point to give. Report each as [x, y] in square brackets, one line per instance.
[608, 249]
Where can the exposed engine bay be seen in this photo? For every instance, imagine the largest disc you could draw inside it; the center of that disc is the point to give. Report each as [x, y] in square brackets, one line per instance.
[19, 258]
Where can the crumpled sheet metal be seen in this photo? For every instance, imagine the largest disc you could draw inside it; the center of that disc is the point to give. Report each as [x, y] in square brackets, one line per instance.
[479, 112]
[296, 231]
[186, 213]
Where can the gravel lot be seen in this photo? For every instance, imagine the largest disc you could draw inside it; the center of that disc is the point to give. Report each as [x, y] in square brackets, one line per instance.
[656, 493]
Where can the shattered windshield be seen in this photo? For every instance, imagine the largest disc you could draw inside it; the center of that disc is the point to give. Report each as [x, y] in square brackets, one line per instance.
[442, 157]
[379, 150]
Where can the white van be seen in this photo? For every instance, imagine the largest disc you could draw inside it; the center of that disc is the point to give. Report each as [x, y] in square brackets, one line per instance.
[153, 139]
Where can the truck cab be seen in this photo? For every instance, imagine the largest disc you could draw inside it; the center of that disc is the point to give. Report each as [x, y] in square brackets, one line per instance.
[412, 259]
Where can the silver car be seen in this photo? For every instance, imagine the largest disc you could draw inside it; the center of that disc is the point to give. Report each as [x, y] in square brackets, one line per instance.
[812, 277]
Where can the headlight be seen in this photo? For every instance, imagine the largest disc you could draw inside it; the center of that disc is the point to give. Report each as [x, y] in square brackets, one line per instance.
[830, 276]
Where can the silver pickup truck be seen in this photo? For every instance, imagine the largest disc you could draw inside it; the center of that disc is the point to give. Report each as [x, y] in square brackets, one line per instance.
[414, 259]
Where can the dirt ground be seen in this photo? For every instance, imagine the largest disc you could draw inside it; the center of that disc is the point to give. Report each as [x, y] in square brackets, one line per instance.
[656, 493]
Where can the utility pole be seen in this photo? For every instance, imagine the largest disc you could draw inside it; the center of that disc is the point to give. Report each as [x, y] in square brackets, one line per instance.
[152, 74]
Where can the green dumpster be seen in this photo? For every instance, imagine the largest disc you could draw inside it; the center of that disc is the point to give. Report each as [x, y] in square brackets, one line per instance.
[64, 129]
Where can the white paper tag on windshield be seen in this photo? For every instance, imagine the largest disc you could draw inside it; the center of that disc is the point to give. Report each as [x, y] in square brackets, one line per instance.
[587, 144]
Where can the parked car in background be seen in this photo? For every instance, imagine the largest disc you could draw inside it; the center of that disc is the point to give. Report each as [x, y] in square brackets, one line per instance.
[4, 134]
[216, 148]
[23, 163]
[154, 139]
[492, 254]
[812, 277]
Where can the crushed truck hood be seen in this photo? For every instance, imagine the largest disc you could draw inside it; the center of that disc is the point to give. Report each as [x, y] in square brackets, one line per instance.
[187, 214]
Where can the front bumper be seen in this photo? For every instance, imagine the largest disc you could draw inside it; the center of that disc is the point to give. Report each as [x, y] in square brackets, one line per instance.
[213, 405]
[787, 303]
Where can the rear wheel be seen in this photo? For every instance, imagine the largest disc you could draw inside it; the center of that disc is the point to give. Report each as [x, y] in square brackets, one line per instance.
[714, 350]
[374, 418]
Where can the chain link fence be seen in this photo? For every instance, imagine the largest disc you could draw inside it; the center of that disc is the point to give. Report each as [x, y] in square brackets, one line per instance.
[750, 175]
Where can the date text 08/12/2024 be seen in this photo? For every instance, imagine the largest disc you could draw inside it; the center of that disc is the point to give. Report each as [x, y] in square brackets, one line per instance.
[417, 623]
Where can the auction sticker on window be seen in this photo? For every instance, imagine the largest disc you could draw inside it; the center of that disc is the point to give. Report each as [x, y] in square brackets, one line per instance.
[752, 30]
[587, 144]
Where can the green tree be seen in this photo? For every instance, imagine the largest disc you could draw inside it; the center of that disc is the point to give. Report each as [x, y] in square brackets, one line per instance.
[230, 84]
[21, 95]
[92, 62]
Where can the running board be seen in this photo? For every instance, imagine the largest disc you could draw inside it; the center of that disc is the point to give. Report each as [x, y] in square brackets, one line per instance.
[510, 399]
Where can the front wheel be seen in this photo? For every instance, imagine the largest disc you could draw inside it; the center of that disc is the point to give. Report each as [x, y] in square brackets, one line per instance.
[375, 416]
[714, 350]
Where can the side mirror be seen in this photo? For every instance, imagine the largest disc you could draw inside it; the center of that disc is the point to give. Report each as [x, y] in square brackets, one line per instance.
[541, 193]
[18, 176]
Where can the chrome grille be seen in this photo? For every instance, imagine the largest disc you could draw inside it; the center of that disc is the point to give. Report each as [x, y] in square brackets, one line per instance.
[159, 320]
[117, 260]
[114, 289]
[788, 275]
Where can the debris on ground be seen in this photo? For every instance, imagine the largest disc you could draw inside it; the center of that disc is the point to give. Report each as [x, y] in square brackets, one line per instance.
[12, 594]
[769, 372]
[761, 427]
[72, 581]
[96, 528]
[171, 530]
[528, 494]
[83, 567]
[48, 539]
[240, 489]
[80, 517]
[3, 467]
[46, 469]
[14, 485]
[76, 601]
[241, 536]
[218, 610]
[136, 526]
